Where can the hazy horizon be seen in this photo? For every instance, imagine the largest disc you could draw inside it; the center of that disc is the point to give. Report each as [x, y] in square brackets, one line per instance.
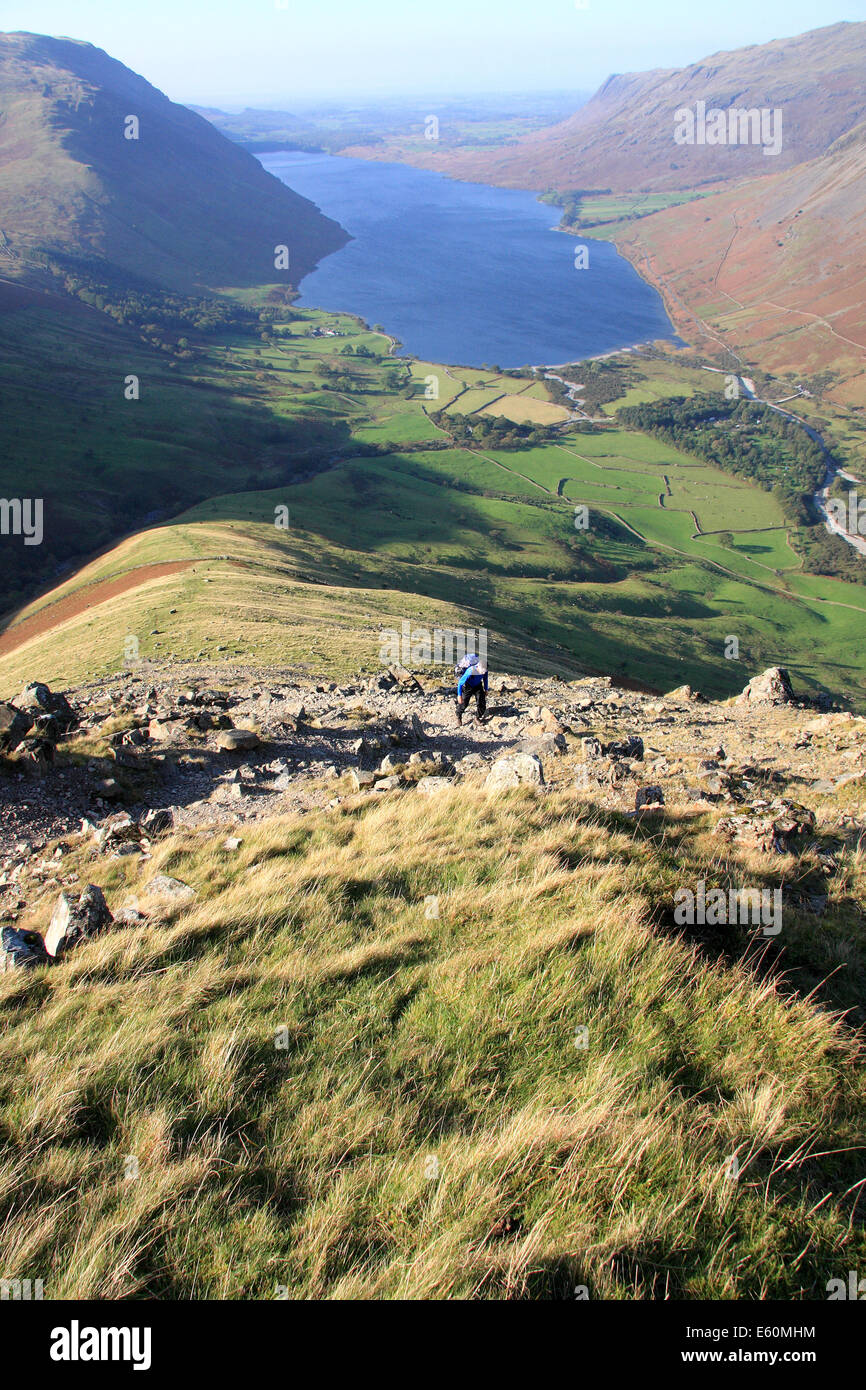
[276, 55]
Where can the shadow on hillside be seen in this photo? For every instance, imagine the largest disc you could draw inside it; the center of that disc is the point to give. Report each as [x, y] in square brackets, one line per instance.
[803, 957]
[425, 532]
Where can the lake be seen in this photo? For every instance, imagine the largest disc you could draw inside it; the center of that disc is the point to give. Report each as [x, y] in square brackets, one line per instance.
[464, 273]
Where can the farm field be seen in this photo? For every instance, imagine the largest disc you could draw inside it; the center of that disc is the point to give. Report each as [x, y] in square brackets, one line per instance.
[386, 519]
[592, 209]
[524, 409]
[659, 383]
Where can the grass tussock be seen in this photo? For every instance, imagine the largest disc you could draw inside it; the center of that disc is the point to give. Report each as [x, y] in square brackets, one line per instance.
[309, 1078]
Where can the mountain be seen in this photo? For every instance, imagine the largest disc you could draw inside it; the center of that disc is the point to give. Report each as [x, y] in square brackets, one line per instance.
[767, 261]
[180, 207]
[775, 265]
[623, 138]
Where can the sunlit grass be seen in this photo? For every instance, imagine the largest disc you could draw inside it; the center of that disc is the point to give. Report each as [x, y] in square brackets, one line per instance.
[322, 1084]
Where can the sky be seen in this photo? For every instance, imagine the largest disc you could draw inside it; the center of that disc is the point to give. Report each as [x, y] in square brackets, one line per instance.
[280, 53]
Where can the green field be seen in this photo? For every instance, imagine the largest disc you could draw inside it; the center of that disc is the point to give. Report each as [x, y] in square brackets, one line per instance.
[676, 555]
[608, 213]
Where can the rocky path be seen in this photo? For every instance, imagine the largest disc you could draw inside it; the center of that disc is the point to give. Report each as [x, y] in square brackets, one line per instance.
[207, 748]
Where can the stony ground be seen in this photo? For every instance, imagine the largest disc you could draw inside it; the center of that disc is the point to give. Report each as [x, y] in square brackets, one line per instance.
[218, 749]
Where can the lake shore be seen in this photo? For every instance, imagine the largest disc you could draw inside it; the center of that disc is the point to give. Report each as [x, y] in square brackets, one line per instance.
[467, 273]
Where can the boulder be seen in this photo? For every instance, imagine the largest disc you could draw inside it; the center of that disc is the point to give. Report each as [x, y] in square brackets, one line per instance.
[429, 786]
[359, 780]
[472, 762]
[600, 772]
[550, 723]
[106, 790]
[157, 822]
[15, 725]
[166, 730]
[547, 745]
[38, 699]
[771, 687]
[390, 765]
[21, 950]
[130, 738]
[404, 678]
[73, 921]
[387, 784]
[237, 740]
[842, 720]
[130, 917]
[429, 764]
[117, 829]
[686, 695]
[648, 796]
[163, 886]
[515, 770]
[206, 719]
[49, 727]
[36, 756]
[773, 829]
[631, 748]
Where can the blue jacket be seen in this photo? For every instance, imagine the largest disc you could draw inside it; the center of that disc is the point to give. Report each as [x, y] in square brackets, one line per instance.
[470, 680]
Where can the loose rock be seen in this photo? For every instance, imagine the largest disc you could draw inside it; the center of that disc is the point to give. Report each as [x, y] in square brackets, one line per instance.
[515, 770]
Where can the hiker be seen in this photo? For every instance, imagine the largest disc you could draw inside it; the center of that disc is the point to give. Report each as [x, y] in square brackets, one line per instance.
[471, 676]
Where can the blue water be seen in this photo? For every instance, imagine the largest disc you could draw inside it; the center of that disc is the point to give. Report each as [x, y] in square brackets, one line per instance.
[464, 273]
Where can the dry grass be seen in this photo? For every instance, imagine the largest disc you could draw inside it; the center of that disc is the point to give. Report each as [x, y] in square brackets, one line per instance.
[325, 1087]
[525, 410]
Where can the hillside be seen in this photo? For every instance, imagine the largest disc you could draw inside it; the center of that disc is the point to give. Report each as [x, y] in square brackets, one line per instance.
[392, 1028]
[392, 511]
[622, 139]
[179, 207]
[774, 267]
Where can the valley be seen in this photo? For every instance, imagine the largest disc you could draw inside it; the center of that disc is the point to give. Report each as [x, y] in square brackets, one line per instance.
[314, 984]
[390, 511]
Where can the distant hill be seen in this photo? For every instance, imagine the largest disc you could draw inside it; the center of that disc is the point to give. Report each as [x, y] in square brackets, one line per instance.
[252, 116]
[623, 138]
[395, 127]
[179, 207]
